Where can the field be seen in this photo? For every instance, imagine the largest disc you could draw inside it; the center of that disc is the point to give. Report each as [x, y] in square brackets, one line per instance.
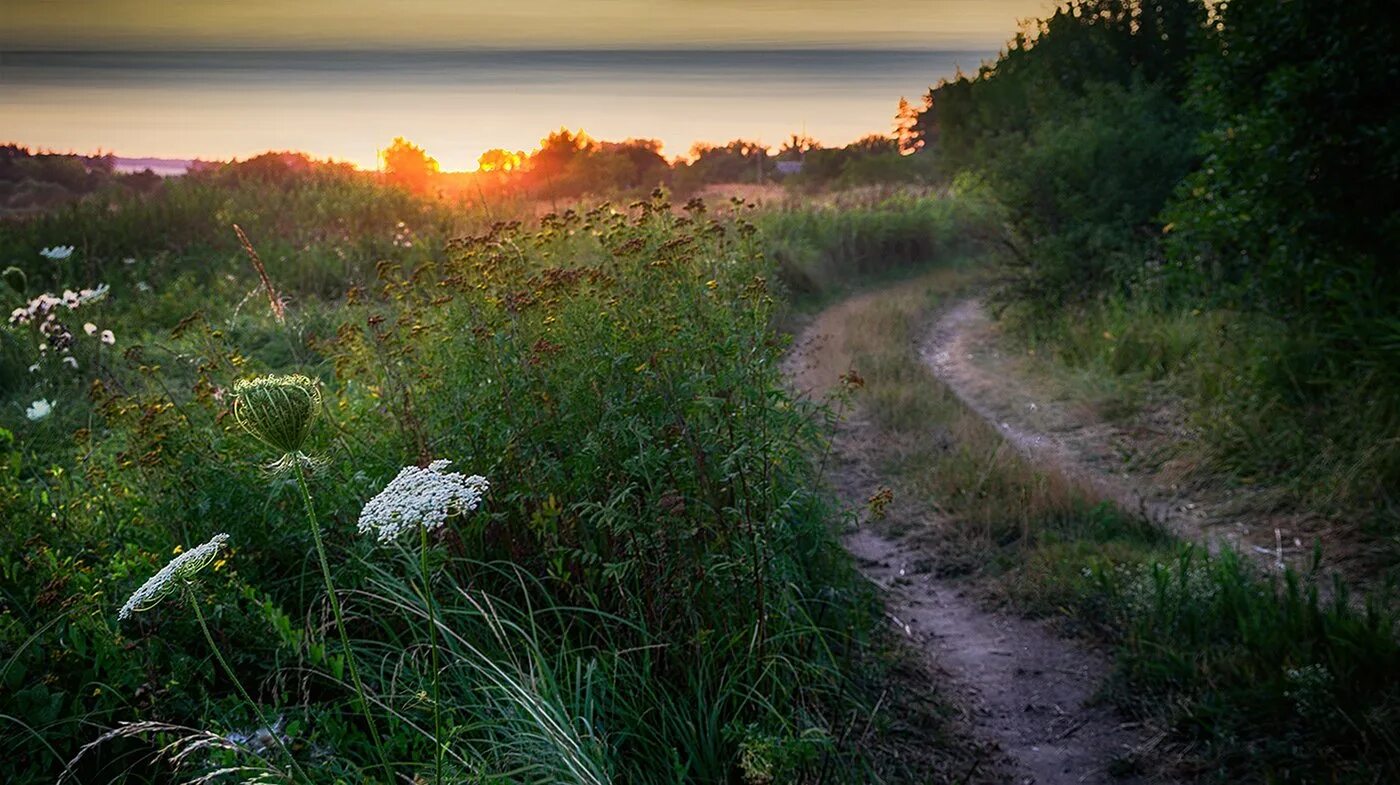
[649, 590]
[1053, 437]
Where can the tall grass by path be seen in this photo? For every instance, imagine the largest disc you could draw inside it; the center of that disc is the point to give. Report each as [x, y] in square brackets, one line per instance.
[1256, 678]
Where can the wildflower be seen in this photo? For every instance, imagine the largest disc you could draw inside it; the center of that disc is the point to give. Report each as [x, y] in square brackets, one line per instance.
[173, 576]
[90, 328]
[71, 362]
[142, 286]
[39, 410]
[57, 253]
[93, 295]
[277, 410]
[108, 338]
[421, 497]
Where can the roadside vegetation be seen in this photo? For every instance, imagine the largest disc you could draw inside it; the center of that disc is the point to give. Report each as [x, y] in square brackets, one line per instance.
[1252, 678]
[1200, 199]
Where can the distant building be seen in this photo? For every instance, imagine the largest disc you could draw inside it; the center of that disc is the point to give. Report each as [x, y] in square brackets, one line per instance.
[789, 167]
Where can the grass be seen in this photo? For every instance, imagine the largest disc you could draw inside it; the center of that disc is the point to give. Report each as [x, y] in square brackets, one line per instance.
[1256, 678]
[650, 593]
[1248, 388]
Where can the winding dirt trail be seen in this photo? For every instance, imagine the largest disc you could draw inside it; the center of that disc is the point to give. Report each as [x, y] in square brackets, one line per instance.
[1024, 690]
[963, 351]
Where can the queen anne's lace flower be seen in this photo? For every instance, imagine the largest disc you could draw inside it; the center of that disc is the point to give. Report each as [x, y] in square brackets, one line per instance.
[39, 410]
[421, 497]
[173, 576]
[57, 253]
[278, 410]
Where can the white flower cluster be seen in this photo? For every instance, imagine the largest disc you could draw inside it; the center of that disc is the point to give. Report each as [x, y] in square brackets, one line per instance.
[57, 253]
[173, 576]
[46, 304]
[43, 311]
[421, 497]
[39, 410]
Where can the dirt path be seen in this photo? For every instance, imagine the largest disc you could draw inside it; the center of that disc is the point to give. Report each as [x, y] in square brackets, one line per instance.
[1024, 690]
[963, 352]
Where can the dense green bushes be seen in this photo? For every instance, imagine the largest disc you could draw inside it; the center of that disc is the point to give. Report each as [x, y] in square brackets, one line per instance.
[1241, 161]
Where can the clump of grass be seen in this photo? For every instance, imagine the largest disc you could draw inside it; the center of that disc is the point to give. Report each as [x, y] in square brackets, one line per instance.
[1254, 392]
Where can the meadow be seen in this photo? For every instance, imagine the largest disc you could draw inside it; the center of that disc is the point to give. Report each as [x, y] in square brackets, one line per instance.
[649, 590]
[315, 475]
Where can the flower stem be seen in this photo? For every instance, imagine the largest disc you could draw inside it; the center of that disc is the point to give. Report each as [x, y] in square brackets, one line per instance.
[243, 693]
[433, 644]
[340, 619]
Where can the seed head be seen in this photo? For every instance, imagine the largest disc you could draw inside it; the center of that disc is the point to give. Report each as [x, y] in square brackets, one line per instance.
[173, 576]
[277, 410]
[15, 279]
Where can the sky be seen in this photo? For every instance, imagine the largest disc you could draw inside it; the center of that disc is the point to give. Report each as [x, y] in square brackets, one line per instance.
[218, 79]
[428, 24]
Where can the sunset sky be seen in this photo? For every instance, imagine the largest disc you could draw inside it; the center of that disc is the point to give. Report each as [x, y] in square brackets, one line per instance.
[217, 79]
[79, 24]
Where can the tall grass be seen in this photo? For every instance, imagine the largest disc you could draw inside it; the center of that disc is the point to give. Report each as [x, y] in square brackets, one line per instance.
[1254, 678]
[1250, 386]
[651, 592]
[822, 250]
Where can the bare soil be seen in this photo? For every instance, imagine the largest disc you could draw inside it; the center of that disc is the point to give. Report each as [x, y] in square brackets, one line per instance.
[1027, 694]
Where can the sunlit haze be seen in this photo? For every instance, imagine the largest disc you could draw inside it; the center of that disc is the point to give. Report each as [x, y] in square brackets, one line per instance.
[340, 80]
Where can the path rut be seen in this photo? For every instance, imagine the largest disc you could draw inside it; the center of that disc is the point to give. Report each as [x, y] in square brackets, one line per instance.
[962, 351]
[1024, 690]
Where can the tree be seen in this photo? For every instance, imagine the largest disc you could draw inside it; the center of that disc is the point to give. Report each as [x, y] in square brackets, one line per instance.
[797, 146]
[500, 160]
[408, 165]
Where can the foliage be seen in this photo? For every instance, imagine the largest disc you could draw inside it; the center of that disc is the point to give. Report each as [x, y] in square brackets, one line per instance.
[1160, 160]
[1295, 208]
[406, 165]
[650, 592]
[822, 250]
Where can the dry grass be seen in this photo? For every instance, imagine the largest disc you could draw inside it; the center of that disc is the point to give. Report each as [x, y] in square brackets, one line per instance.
[979, 494]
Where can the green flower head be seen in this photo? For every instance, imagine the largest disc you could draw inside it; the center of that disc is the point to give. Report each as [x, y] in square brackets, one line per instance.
[15, 279]
[277, 410]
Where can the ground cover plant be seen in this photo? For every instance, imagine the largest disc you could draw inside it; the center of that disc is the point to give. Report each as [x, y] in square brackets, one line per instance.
[647, 592]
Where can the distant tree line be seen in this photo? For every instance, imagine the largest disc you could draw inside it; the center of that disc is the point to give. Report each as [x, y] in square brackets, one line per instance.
[32, 180]
[571, 164]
